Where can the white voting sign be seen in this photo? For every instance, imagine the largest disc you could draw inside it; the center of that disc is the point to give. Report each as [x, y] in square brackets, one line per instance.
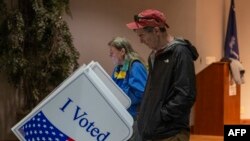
[115, 89]
[82, 108]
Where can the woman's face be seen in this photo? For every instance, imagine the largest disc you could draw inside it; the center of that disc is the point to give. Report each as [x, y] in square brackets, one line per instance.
[116, 55]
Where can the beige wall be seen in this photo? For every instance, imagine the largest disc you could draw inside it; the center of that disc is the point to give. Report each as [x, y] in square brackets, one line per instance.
[209, 30]
[203, 22]
[243, 27]
[95, 23]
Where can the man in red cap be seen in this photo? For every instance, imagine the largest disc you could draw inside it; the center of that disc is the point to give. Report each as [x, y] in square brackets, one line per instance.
[170, 91]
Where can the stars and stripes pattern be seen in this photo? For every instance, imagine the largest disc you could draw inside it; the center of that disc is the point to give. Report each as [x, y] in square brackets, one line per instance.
[39, 128]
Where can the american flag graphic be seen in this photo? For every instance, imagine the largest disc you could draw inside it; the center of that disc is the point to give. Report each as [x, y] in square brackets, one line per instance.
[39, 128]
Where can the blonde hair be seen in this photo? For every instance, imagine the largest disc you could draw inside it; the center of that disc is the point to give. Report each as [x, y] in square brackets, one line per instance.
[120, 43]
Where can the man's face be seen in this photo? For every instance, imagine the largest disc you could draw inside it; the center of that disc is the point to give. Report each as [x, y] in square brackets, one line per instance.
[148, 38]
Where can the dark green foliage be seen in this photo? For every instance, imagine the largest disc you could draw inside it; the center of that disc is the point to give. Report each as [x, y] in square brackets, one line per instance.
[36, 49]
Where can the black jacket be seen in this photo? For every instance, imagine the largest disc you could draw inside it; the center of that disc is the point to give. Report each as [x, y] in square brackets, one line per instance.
[170, 91]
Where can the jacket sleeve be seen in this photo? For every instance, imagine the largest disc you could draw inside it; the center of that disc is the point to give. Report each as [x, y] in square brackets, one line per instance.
[183, 90]
[137, 81]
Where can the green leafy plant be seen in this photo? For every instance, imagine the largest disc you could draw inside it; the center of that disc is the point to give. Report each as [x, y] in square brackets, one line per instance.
[36, 49]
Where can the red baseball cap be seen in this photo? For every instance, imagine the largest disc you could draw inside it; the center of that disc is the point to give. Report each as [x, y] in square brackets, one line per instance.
[149, 17]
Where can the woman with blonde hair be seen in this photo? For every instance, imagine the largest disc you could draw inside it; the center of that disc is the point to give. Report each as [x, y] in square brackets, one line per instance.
[130, 74]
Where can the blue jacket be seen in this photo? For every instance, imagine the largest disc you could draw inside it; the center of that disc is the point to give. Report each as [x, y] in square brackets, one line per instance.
[131, 79]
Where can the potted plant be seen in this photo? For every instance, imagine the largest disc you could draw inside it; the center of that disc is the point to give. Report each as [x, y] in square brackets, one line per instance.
[36, 49]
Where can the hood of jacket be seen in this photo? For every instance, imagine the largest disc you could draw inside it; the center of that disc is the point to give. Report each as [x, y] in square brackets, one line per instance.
[187, 43]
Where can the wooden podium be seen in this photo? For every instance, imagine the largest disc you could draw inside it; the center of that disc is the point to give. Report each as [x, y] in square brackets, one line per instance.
[215, 106]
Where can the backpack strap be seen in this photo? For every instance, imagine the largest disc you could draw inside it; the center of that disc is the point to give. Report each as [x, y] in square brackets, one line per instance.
[125, 69]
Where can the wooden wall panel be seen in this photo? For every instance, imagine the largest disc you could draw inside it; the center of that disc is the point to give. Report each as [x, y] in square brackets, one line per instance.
[9, 103]
[214, 107]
